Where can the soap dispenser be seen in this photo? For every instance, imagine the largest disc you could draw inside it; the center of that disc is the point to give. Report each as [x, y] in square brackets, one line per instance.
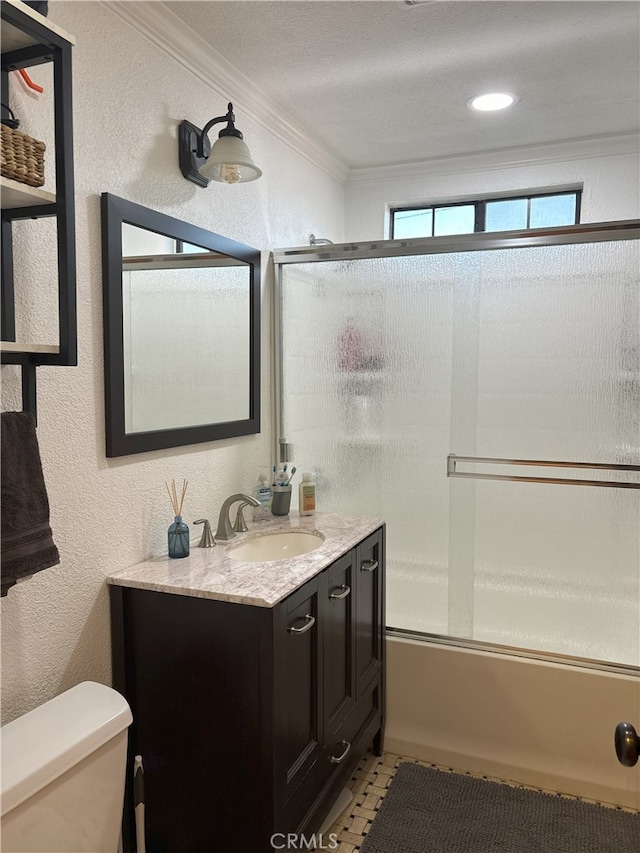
[262, 493]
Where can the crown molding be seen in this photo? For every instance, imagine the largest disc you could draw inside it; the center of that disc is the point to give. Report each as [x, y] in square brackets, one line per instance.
[506, 158]
[168, 32]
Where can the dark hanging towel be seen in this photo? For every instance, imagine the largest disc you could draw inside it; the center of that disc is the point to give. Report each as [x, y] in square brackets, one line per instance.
[27, 544]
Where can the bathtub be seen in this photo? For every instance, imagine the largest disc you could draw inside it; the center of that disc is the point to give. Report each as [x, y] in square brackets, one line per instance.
[539, 723]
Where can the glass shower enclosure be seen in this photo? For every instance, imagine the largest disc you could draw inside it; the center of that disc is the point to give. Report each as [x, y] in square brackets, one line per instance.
[482, 395]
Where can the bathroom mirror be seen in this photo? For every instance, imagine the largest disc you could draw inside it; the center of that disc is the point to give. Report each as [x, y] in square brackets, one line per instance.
[181, 331]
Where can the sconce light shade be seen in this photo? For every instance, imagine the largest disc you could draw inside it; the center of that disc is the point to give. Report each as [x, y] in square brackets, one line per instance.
[227, 160]
[230, 161]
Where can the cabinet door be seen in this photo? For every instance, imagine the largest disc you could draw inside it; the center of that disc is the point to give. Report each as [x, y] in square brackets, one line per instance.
[369, 582]
[298, 653]
[338, 603]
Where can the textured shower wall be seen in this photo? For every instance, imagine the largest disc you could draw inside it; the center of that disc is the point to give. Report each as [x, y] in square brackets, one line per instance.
[129, 97]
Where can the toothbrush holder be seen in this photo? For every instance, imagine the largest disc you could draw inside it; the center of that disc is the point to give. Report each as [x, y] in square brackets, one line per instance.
[281, 500]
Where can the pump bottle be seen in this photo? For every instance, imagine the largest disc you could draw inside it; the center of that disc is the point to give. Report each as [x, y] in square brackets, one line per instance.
[263, 495]
[307, 495]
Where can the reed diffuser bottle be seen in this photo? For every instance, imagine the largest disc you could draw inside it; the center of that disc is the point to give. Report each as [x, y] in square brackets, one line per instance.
[178, 533]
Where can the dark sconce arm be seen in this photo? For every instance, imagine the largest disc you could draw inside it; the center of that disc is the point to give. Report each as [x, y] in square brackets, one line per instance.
[229, 130]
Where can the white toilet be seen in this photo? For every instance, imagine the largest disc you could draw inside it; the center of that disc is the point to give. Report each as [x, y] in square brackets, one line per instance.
[63, 773]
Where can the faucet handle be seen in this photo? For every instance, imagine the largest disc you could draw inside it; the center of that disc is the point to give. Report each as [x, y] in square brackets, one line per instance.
[206, 540]
[240, 525]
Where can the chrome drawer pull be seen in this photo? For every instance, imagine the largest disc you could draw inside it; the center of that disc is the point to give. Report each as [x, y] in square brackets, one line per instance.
[338, 596]
[310, 621]
[339, 758]
[369, 566]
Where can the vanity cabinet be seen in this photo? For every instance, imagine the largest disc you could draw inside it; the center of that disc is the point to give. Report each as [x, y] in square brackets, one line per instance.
[250, 719]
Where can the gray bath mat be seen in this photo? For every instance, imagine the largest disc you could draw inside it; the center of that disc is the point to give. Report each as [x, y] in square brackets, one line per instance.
[431, 811]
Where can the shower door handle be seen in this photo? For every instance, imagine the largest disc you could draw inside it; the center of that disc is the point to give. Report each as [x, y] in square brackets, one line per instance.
[627, 744]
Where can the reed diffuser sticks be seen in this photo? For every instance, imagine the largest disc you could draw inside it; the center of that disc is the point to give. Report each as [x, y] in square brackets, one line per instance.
[173, 494]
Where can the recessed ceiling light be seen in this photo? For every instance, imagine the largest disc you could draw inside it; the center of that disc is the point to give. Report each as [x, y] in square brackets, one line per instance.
[494, 101]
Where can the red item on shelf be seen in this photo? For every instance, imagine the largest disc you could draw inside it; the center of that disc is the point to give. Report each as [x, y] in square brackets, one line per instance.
[351, 348]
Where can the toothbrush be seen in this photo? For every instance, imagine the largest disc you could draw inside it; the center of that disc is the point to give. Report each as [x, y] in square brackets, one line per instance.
[293, 471]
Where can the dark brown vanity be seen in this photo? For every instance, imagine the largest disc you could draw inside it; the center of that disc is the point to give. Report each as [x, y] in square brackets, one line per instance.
[250, 718]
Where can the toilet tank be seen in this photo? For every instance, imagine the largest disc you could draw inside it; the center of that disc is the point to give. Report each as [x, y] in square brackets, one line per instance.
[63, 773]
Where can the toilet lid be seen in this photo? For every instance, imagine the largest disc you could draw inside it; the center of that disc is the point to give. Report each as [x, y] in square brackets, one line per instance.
[41, 745]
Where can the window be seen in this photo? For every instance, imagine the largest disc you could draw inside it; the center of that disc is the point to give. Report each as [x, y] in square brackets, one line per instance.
[488, 214]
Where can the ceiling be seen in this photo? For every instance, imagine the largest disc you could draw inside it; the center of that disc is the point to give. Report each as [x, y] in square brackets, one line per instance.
[385, 82]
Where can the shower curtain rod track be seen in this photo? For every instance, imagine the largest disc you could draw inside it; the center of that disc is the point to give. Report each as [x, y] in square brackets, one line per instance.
[628, 229]
[453, 459]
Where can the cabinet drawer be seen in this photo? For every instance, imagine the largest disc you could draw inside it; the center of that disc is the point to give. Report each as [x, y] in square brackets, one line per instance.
[295, 812]
[363, 719]
[362, 715]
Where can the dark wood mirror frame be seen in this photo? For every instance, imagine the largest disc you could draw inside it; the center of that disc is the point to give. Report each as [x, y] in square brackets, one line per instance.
[116, 212]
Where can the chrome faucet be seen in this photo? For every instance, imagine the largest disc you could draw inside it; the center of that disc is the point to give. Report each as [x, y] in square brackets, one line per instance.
[225, 530]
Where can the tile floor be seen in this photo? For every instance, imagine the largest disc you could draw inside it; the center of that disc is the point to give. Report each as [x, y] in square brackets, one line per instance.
[369, 784]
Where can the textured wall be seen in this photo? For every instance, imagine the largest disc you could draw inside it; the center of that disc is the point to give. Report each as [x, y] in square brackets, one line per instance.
[611, 185]
[106, 514]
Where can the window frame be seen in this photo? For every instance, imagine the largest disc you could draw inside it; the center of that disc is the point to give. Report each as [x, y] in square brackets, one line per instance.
[480, 205]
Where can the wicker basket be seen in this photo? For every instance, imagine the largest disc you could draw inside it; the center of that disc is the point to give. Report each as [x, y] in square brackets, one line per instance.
[22, 157]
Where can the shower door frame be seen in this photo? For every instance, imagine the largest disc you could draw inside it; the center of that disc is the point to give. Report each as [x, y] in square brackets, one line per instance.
[599, 232]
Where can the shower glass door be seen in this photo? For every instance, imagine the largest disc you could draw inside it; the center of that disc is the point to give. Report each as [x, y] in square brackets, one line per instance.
[390, 363]
[547, 368]
[366, 360]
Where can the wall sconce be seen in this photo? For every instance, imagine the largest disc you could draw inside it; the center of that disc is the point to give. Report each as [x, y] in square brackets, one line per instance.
[228, 159]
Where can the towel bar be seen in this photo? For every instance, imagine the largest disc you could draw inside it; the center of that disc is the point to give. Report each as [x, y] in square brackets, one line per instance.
[453, 460]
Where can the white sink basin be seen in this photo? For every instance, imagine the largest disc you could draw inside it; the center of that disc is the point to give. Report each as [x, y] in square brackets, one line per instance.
[276, 546]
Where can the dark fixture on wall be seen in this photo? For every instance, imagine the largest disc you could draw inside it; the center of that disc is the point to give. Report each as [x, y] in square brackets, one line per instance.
[228, 159]
[627, 744]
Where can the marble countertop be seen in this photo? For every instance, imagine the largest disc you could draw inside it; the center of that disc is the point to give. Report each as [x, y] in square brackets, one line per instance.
[210, 573]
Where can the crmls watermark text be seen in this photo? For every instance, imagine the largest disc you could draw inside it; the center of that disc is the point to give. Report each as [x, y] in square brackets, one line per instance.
[293, 841]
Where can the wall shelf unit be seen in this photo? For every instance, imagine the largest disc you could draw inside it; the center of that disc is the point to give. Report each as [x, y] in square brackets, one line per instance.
[28, 39]
[18, 346]
[20, 195]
